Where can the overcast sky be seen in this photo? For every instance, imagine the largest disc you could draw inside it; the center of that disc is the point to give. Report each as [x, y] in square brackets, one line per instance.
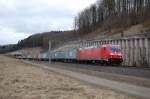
[21, 18]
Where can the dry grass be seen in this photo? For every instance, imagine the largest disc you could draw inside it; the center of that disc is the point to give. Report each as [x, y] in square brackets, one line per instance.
[22, 81]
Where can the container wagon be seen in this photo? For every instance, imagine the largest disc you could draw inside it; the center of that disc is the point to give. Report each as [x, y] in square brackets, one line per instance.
[65, 56]
[43, 56]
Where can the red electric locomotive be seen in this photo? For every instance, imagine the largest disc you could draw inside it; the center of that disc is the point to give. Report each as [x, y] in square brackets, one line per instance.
[107, 53]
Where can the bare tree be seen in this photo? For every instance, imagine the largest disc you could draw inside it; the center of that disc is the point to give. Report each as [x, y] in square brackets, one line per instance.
[112, 13]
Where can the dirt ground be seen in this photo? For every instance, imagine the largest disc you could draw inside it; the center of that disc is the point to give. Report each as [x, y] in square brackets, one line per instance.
[23, 81]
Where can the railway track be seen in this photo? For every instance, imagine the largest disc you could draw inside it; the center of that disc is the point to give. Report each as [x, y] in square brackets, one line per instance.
[78, 73]
[134, 76]
[129, 71]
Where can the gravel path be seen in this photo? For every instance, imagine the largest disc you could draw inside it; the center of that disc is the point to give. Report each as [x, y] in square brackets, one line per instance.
[19, 80]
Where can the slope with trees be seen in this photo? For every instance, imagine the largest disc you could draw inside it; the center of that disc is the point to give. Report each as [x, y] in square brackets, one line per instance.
[110, 14]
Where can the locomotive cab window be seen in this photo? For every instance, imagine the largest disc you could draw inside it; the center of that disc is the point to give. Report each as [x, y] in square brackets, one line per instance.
[115, 49]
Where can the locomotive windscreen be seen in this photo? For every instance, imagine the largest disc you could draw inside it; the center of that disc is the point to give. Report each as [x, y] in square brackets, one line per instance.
[115, 49]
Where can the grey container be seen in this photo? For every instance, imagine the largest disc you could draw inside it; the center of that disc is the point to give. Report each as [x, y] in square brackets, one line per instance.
[72, 53]
[59, 55]
[43, 55]
[68, 54]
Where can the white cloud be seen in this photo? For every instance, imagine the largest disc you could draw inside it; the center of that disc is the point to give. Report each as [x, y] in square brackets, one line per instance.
[9, 36]
[19, 18]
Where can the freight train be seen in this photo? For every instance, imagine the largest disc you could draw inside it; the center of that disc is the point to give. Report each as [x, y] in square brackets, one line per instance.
[104, 54]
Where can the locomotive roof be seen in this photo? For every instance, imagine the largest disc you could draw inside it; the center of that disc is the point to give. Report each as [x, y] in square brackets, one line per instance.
[103, 45]
[110, 45]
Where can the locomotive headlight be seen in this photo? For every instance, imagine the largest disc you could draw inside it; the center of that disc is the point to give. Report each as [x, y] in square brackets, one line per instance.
[112, 54]
[119, 54]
